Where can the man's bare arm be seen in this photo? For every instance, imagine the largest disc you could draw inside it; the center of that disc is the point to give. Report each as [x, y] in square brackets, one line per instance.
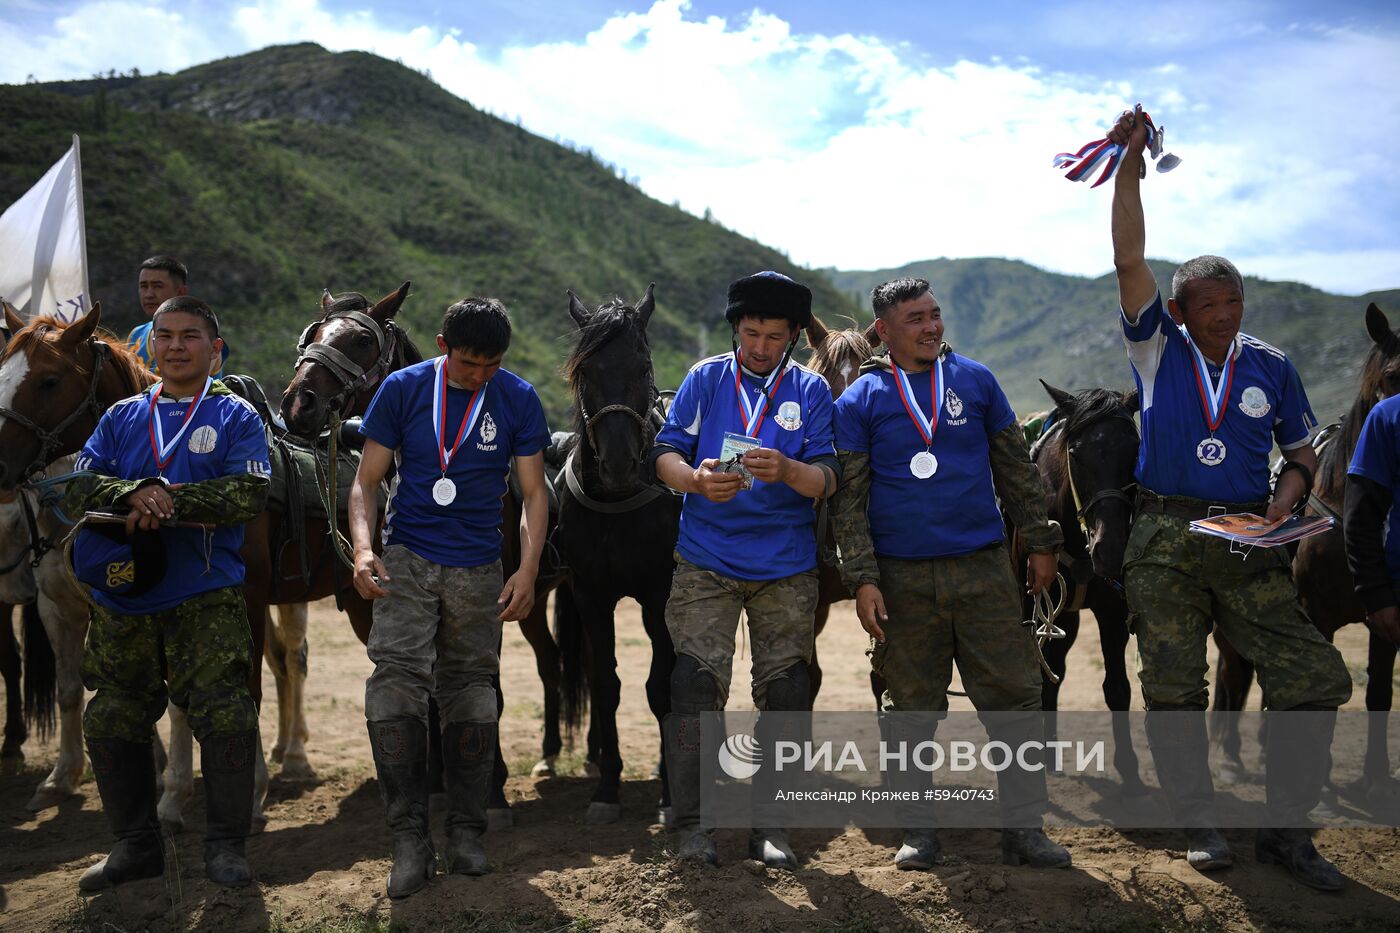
[1136, 284]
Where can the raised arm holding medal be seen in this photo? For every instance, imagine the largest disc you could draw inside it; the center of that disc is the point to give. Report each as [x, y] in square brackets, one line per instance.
[454, 426]
[1214, 402]
[928, 444]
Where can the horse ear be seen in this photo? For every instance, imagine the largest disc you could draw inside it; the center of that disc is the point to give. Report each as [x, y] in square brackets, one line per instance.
[82, 328]
[872, 336]
[1376, 324]
[1063, 400]
[389, 305]
[1132, 400]
[816, 333]
[13, 321]
[645, 306]
[577, 311]
[326, 299]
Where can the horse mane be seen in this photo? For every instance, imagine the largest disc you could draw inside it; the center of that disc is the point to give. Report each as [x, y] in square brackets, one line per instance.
[1090, 405]
[602, 326]
[411, 353]
[839, 345]
[1332, 463]
[40, 327]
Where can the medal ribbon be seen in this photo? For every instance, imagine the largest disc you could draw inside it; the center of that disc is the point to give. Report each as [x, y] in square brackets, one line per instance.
[440, 414]
[753, 412]
[1213, 397]
[927, 426]
[163, 451]
[1091, 155]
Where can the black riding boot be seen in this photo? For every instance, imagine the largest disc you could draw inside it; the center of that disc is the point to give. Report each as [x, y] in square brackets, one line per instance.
[790, 692]
[1299, 758]
[228, 799]
[400, 749]
[1181, 752]
[1023, 796]
[920, 849]
[126, 780]
[468, 763]
[693, 691]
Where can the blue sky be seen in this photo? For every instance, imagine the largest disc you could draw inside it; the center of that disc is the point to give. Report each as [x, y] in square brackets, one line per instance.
[871, 134]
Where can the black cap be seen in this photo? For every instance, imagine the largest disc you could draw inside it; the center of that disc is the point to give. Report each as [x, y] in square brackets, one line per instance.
[769, 294]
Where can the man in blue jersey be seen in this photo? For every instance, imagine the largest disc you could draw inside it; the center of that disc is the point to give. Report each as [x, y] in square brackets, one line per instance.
[183, 454]
[1214, 401]
[748, 440]
[928, 443]
[1373, 552]
[159, 279]
[453, 427]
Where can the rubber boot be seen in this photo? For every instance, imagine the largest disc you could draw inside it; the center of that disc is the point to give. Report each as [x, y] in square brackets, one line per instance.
[468, 764]
[400, 748]
[126, 781]
[693, 691]
[228, 765]
[1181, 750]
[1022, 792]
[1298, 759]
[788, 693]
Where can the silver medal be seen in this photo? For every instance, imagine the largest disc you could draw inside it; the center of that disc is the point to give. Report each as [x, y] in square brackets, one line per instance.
[923, 465]
[444, 491]
[1211, 452]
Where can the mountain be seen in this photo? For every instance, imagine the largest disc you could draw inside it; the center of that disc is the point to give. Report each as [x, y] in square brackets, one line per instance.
[1027, 324]
[275, 174]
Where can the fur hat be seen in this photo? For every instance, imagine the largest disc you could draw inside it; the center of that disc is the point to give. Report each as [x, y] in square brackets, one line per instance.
[769, 294]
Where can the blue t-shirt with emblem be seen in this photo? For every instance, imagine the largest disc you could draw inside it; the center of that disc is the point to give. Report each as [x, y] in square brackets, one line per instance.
[465, 532]
[766, 532]
[1377, 458]
[224, 438]
[1266, 403]
[954, 511]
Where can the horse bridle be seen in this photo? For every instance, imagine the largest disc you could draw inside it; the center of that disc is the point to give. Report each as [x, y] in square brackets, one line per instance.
[353, 377]
[1126, 494]
[51, 439]
[644, 421]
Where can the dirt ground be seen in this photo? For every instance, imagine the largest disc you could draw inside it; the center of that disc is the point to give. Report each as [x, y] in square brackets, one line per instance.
[323, 860]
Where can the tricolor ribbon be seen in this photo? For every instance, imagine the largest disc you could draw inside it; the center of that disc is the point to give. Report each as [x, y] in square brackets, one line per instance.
[1090, 156]
[1213, 397]
[440, 414]
[926, 425]
[753, 412]
[163, 451]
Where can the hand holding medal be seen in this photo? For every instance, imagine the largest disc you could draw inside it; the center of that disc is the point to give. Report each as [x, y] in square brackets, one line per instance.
[1109, 151]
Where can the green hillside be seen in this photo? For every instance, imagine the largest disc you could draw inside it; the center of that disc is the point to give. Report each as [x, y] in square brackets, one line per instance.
[275, 174]
[1028, 324]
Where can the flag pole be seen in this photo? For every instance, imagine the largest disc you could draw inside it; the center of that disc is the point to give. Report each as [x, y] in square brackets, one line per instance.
[82, 223]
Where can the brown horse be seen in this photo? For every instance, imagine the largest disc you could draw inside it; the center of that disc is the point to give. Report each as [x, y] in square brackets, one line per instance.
[1324, 580]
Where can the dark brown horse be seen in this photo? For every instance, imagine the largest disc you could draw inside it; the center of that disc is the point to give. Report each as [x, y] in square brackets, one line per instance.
[1324, 580]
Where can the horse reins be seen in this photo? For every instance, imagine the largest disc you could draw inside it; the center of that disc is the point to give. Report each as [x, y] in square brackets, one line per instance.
[353, 377]
[51, 439]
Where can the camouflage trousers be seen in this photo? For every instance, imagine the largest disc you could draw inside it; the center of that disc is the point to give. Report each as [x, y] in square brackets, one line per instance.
[702, 616]
[438, 632]
[205, 645]
[966, 608]
[1180, 583]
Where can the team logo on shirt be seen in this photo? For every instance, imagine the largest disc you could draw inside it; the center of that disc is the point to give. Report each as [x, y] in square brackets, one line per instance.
[789, 416]
[954, 404]
[488, 428]
[203, 440]
[1254, 402]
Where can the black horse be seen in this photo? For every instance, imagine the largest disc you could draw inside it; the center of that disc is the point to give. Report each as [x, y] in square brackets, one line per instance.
[31, 683]
[1086, 459]
[617, 533]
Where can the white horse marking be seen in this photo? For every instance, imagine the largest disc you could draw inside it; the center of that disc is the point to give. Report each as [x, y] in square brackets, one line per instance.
[12, 374]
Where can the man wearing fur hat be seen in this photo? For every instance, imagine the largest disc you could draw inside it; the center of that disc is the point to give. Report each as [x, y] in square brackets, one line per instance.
[749, 441]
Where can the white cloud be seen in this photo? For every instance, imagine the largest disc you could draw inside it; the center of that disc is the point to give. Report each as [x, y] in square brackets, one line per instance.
[846, 150]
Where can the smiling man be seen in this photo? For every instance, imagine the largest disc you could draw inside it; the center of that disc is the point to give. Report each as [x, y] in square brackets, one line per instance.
[453, 427]
[1214, 402]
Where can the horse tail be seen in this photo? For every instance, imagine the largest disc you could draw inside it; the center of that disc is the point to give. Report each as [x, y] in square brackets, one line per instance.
[573, 655]
[40, 674]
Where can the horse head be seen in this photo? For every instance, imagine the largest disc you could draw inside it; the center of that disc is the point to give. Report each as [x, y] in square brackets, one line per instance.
[838, 354]
[56, 380]
[614, 388]
[1097, 451]
[1380, 376]
[342, 357]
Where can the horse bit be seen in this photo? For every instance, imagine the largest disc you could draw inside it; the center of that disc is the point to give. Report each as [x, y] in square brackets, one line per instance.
[353, 377]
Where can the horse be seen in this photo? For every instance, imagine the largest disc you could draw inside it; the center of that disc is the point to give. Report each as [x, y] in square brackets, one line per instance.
[617, 533]
[1087, 458]
[1324, 582]
[26, 664]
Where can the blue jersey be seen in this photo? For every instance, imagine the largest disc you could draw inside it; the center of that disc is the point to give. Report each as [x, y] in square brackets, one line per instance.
[224, 438]
[767, 532]
[465, 532]
[955, 510]
[1266, 403]
[140, 342]
[1377, 458]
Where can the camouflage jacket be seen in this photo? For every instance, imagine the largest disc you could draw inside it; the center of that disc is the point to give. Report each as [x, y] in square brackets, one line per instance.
[1016, 480]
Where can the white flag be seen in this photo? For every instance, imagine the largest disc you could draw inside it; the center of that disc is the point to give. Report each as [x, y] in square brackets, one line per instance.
[44, 242]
